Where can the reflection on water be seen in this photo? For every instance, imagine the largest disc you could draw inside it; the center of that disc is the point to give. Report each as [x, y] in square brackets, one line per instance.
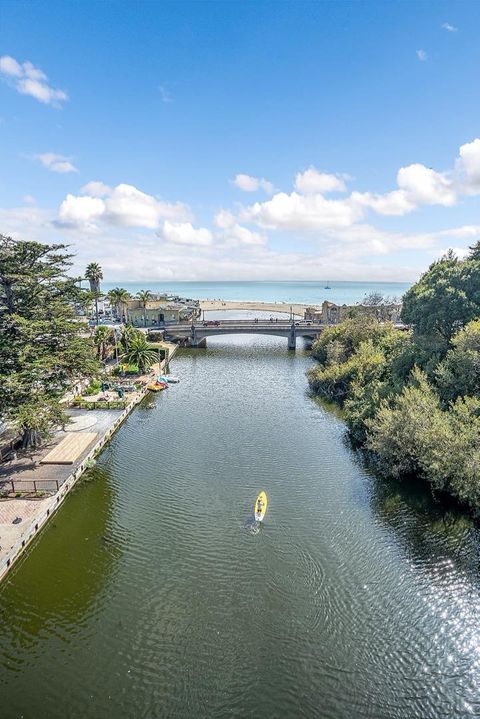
[154, 593]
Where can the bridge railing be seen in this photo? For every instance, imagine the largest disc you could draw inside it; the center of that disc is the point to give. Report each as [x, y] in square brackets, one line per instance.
[246, 323]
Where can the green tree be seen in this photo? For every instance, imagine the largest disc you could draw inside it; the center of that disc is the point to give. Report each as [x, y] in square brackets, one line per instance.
[445, 298]
[144, 296]
[402, 429]
[43, 350]
[119, 299]
[102, 338]
[350, 334]
[378, 305]
[459, 373]
[140, 353]
[94, 275]
[128, 334]
[474, 253]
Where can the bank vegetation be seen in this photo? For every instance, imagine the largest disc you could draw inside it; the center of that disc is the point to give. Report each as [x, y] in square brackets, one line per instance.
[411, 398]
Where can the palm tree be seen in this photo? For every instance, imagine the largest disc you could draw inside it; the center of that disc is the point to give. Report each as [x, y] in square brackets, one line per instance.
[140, 354]
[119, 299]
[144, 296]
[101, 338]
[128, 333]
[94, 274]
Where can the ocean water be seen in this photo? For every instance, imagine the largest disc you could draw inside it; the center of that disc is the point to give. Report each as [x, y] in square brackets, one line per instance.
[302, 292]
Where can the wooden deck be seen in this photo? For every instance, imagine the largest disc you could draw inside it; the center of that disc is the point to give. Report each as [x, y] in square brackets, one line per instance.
[71, 447]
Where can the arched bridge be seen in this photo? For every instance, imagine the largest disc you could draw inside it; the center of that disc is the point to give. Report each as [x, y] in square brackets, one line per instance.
[197, 332]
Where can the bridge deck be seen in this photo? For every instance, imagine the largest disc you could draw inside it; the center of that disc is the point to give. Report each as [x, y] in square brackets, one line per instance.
[199, 331]
[222, 326]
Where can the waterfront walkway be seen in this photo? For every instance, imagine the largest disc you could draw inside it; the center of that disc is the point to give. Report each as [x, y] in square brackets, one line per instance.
[41, 488]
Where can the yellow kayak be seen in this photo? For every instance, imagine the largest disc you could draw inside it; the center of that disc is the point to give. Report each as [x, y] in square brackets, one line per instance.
[260, 506]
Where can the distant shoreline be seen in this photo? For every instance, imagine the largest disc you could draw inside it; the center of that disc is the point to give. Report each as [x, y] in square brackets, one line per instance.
[304, 292]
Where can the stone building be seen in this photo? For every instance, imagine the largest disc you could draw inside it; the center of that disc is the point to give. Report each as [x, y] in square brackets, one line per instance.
[162, 310]
[332, 314]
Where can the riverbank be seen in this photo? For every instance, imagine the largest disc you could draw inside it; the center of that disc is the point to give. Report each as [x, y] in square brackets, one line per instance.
[415, 411]
[46, 484]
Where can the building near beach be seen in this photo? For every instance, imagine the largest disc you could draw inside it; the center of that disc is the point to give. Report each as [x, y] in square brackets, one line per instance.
[161, 310]
[331, 314]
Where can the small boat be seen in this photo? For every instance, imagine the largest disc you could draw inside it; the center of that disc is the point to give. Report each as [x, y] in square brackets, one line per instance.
[157, 386]
[327, 287]
[260, 506]
[168, 378]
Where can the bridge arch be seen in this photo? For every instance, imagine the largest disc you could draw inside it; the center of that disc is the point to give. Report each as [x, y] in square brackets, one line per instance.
[197, 333]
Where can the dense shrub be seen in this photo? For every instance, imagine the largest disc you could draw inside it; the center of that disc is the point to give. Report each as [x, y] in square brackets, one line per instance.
[413, 398]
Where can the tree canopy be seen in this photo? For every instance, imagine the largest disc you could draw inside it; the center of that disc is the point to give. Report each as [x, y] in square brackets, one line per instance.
[413, 398]
[445, 298]
[43, 347]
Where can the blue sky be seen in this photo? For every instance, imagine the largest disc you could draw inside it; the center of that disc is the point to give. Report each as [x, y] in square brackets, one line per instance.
[242, 140]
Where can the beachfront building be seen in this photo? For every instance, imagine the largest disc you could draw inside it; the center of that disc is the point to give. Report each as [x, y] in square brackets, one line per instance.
[331, 314]
[161, 310]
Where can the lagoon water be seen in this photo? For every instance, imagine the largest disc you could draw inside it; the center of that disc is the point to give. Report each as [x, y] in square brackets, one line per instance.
[340, 292]
[153, 594]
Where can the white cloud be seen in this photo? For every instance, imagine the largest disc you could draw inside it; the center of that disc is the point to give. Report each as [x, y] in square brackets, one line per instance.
[417, 186]
[123, 205]
[312, 181]
[464, 232]
[422, 55]
[80, 210]
[9, 66]
[184, 233]
[127, 230]
[299, 212]
[56, 163]
[468, 167]
[247, 183]
[29, 199]
[96, 189]
[236, 235]
[450, 28]
[224, 219]
[129, 206]
[359, 251]
[30, 80]
[390, 203]
[424, 186]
